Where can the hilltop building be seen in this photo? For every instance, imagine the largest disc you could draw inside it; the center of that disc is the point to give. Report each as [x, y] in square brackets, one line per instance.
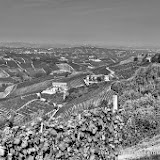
[90, 79]
[141, 56]
[56, 87]
[149, 56]
[63, 59]
[64, 85]
[100, 74]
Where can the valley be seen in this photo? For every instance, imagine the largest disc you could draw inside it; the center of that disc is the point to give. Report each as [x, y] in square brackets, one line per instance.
[56, 84]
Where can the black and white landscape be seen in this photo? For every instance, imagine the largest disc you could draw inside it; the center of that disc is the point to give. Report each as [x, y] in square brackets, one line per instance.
[79, 79]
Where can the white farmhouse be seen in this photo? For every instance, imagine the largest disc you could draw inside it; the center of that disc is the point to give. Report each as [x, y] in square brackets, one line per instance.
[56, 86]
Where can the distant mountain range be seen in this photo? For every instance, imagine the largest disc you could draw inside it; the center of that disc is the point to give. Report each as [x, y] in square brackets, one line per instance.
[22, 44]
[42, 45]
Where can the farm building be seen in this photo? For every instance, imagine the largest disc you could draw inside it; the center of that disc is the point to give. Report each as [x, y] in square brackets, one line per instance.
[56, 86]
[90, 79]
[63, 85]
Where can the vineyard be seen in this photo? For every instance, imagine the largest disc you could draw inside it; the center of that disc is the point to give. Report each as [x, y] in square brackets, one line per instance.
[125, 71]
[94, 134]
[85, 127]
[139, 97]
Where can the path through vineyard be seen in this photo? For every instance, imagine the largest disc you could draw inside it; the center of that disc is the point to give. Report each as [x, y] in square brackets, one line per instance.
[145, 149]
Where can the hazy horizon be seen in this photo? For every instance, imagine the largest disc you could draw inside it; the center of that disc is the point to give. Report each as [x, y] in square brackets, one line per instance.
[93, 22]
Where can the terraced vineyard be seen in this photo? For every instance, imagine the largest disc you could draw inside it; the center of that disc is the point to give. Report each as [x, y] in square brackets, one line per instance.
[87, 101]
[33, 73]
[125, 71]
[82, 138]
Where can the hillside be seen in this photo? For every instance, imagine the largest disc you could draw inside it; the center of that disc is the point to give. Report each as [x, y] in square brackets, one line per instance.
[83, 137]
[87, 101]
[147, 149]
[31, 71]
[139, 112]
[139, 97]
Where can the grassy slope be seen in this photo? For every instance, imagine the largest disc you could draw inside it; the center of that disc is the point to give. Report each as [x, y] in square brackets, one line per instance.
[147, 148]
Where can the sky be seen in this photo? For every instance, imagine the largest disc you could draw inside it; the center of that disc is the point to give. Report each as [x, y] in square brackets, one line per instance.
[100, 22]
